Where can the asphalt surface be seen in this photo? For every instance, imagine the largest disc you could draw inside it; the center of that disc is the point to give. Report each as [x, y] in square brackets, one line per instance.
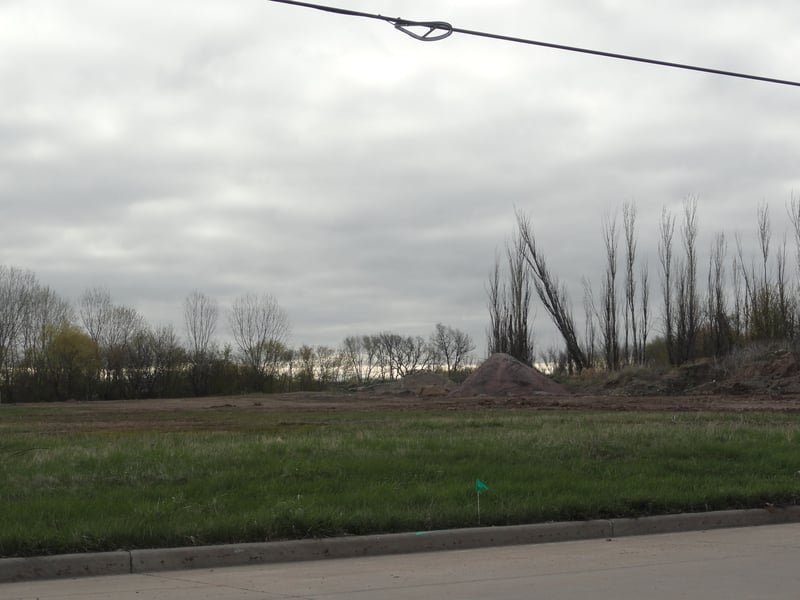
[742, 563]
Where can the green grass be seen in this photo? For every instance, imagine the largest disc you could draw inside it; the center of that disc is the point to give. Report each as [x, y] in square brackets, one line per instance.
[75, 481]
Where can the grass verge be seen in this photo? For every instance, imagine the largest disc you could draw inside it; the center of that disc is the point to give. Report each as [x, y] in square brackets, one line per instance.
[184, 478]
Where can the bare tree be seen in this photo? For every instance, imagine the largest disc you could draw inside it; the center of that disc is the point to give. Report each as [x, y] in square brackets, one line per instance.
[139, 375]
[793, 208]
[552, 294]
[644, 320]
[498, 309]
[370, 350]
[124, 326]
[746, 279]
[306, 373]
[719, 330]
[451, 347]
[509, 306]
[200, 316]
[416, 354]
[45, 313]
[687, 324]
[609, 312]
[402, 356]
[95, 307]
[168, 355]
[113, 329]
[353, 358]
[260, 328]
[590, 330]
[737, 318]
[763, 315]
[16, 289]
[359, 358]
[329, 365]
[785, 302]
[631, 352]
[665, 257]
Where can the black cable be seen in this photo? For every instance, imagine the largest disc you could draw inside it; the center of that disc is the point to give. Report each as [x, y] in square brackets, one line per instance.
[438, 30]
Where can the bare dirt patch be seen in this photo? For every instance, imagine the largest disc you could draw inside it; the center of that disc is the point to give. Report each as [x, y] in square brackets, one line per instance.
[769, 382]
[211, 413]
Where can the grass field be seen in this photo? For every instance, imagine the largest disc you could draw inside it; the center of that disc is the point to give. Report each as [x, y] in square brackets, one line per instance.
[179, 477]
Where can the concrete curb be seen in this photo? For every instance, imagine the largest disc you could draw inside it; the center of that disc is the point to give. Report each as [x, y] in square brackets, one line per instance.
[64, 566]
[205, 557]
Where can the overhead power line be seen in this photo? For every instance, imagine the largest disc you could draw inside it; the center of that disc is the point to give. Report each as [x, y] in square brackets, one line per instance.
[432, 31]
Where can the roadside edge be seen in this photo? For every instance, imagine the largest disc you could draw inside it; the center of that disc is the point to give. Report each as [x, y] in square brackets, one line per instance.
[205, 557]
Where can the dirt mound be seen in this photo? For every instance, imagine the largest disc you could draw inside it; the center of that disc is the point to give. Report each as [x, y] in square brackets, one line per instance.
[756, 370]
[503, 375]
[775, 372]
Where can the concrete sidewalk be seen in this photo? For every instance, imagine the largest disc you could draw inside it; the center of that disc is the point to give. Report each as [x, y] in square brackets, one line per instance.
[205, 557]
[742, 563]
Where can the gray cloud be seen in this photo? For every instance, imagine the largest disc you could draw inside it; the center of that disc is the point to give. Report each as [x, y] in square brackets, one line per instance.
[365, 179]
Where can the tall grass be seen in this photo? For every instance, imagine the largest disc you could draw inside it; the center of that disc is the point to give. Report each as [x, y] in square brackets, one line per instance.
[244, 475]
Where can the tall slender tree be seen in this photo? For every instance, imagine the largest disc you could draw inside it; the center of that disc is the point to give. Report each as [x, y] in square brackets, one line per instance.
[200, 317]
[552, 293]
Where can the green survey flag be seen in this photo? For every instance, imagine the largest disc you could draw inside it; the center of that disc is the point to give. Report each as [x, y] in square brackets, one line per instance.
[480, 487]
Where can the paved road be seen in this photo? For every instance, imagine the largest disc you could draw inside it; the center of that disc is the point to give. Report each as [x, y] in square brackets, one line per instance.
[745, 563]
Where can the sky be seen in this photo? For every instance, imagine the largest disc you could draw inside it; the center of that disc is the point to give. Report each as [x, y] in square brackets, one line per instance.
[364, 179]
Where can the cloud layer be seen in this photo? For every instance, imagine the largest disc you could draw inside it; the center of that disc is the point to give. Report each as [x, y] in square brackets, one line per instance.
[365, 179]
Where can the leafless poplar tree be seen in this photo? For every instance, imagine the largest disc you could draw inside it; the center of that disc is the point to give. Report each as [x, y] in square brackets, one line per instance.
[763, 314]
[632, 341]
[688, 304]
[589, 327]
[785, 303]
[644, 320]
[509, 306]
[737, 327]
[793, 208]
[498, 309]
[720, 333]
[552, 294]
[609, 311]
[665, 256]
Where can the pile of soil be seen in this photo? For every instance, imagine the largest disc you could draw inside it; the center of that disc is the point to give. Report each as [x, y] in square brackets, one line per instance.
[503, 375]
[776, 372]
[755, 371]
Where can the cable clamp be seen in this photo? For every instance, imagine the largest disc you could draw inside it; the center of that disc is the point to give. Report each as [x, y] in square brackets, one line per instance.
[437, 30]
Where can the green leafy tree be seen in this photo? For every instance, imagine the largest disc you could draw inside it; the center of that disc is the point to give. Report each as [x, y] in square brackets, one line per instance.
[72, 362]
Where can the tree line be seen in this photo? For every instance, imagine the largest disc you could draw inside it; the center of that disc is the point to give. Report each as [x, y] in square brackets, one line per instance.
[51, 349]
[736, 301]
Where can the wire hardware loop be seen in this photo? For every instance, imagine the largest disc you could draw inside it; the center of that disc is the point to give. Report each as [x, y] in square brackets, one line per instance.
[443, 28]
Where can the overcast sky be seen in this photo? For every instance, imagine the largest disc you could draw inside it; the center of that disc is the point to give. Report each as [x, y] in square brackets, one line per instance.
[361, 177]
